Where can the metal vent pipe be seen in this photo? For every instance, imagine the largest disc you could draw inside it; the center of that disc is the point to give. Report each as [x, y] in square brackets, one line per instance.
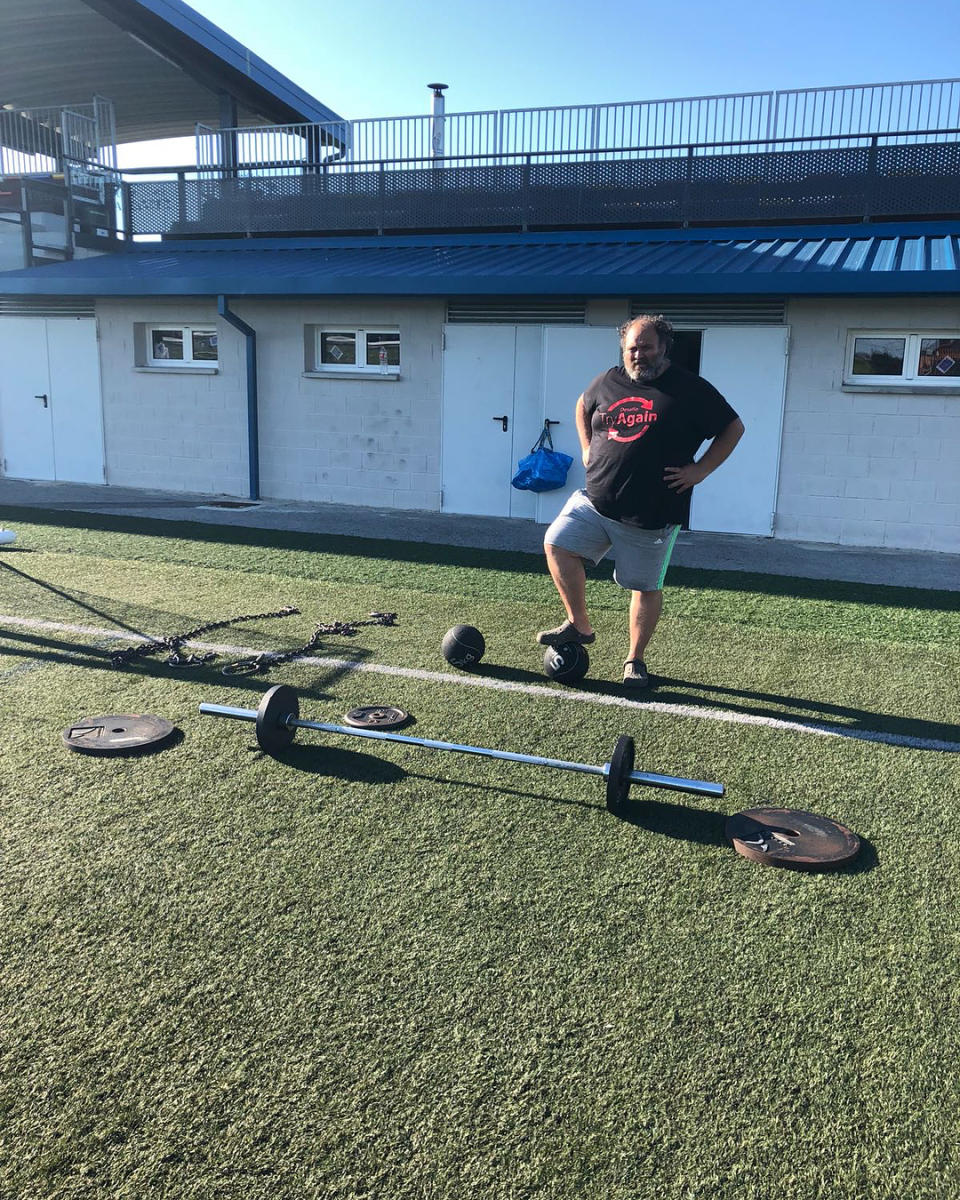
[436, 113]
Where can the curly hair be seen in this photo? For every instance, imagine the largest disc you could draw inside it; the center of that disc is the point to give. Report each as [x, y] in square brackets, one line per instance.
[661, 325]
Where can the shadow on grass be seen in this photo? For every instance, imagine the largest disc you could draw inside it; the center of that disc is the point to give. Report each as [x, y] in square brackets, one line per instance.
[434, 554]
[844, 720]
[352, 766]
[701, 826]
[42, 649]
[72, 598]
[705, 827]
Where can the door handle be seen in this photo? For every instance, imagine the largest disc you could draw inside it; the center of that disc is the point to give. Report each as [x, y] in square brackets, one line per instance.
[504, 421]
[42, 397]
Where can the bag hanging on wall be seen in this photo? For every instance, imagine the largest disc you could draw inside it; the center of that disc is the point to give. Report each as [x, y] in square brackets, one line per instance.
[544, 468]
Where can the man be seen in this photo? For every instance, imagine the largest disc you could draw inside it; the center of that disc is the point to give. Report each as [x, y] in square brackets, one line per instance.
[639, 424]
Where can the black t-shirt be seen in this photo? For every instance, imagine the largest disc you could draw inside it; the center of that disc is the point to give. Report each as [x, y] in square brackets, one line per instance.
[639, 429]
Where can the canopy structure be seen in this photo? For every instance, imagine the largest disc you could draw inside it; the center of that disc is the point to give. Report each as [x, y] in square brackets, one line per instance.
[162, 65]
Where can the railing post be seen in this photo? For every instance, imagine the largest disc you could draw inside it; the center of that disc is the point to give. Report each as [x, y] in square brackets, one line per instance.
[687, 189]
[382, 197]
[870, 184]
[181, 197]
[525, 195]
[126, 210]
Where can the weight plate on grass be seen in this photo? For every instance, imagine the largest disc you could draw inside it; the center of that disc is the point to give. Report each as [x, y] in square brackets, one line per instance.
[273, 732]
[619, 770]
[117, 733]
[789, 837]
[377, 716]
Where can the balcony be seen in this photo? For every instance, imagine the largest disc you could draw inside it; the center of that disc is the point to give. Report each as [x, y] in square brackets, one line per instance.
[853, 153]
[835, 154]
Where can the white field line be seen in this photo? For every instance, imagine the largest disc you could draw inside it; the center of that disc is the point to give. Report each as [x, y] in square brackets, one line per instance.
[817, 728]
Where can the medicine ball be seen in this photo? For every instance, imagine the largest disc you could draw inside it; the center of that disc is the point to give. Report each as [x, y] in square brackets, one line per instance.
[463, 646]
[567, 663]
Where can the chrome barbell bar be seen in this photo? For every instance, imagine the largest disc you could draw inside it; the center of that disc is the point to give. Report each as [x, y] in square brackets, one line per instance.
[278, 718]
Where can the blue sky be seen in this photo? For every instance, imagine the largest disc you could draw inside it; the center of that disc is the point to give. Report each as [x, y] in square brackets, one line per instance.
[369, 58]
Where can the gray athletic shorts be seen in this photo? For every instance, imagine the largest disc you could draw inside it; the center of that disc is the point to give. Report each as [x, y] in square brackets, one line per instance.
[642, 555]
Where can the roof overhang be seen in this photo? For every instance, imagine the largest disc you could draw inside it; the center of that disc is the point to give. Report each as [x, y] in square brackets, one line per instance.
[905, 259]
[163, 65]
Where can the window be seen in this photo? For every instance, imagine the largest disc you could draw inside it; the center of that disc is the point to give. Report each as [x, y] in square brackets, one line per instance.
[364, 351]
[918, 359]
[181, 346]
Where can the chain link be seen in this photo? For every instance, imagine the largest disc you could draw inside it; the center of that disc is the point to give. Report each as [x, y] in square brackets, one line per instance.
[256, 664]
[175, 641]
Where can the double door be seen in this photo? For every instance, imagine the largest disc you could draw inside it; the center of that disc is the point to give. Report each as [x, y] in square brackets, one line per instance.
[51, 423]
[500, 382]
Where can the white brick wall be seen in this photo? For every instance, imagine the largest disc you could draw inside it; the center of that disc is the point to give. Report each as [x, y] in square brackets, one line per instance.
[866, 468]
[351, 441]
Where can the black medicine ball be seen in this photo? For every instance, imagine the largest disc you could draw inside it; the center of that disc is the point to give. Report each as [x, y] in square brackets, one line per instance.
[463, 646]
[567, 663]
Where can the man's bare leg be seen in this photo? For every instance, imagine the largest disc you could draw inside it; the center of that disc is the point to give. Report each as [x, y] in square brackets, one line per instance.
[645, 609]
[570, 579]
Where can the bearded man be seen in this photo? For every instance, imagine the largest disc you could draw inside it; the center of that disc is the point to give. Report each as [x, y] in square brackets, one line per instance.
[640, 425]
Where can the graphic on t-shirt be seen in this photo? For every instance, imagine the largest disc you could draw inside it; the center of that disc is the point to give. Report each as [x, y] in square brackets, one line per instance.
[628, 419]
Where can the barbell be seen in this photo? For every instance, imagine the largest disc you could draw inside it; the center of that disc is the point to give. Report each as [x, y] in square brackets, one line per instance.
[278, 718]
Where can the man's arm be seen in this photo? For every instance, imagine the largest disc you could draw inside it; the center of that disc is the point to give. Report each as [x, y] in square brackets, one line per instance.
[681, 479]
[583, 431]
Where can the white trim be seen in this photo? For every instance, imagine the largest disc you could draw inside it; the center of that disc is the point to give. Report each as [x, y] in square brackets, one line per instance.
[361, 368]
[912, 340]
[188, 362]
[370, 375]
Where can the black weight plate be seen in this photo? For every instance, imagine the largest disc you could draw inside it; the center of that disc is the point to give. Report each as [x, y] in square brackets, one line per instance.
[273, 733]
[117, 733]
[377, 716]
[620, 769]
[790, 837]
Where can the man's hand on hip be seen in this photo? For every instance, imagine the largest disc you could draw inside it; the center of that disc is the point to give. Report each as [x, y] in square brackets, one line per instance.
[682, 479]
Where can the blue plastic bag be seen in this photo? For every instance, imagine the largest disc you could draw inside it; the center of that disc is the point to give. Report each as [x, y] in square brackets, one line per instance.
[543, 469]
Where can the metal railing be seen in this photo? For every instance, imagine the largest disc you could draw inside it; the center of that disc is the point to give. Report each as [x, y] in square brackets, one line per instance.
[858, 176]
[40, 141]
[808, 116]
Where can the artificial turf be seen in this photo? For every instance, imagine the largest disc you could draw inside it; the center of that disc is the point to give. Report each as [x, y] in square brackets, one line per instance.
[373, 970]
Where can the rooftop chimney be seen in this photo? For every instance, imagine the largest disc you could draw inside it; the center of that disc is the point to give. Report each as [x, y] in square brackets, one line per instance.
[436, 111]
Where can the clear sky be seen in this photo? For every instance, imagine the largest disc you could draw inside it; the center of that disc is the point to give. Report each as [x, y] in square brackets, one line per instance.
[370, 58]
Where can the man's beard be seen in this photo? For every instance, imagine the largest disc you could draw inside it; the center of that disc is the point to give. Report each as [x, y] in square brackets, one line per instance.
[644, 374]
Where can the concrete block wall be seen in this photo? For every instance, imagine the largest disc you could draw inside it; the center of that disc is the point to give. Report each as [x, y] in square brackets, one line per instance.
[365, 440]
[170, 429]
[866, 468]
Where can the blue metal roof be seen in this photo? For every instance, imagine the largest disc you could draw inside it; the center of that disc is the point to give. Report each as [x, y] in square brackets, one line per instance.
[920, 258]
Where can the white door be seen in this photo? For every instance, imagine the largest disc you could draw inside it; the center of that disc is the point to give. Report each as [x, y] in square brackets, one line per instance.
[749, 366]
[51, 422]
[572, 357]
[75, 400]
[26, 419]
[491, 400]
[526, 373]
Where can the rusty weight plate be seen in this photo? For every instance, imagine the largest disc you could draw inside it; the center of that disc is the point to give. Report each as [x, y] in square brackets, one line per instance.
[117, 733]
[377, 716]
[790, 837]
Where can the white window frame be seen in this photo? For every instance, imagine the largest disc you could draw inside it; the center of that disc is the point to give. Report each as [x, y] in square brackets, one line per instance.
[361, 367]
[912, 340]
[186, 333]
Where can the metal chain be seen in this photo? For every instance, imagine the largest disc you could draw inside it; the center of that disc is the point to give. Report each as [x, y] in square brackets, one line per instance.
[256, 664]
[175, 641]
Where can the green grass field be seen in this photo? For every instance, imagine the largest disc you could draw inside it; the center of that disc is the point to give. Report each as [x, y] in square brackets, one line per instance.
[372, 970]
